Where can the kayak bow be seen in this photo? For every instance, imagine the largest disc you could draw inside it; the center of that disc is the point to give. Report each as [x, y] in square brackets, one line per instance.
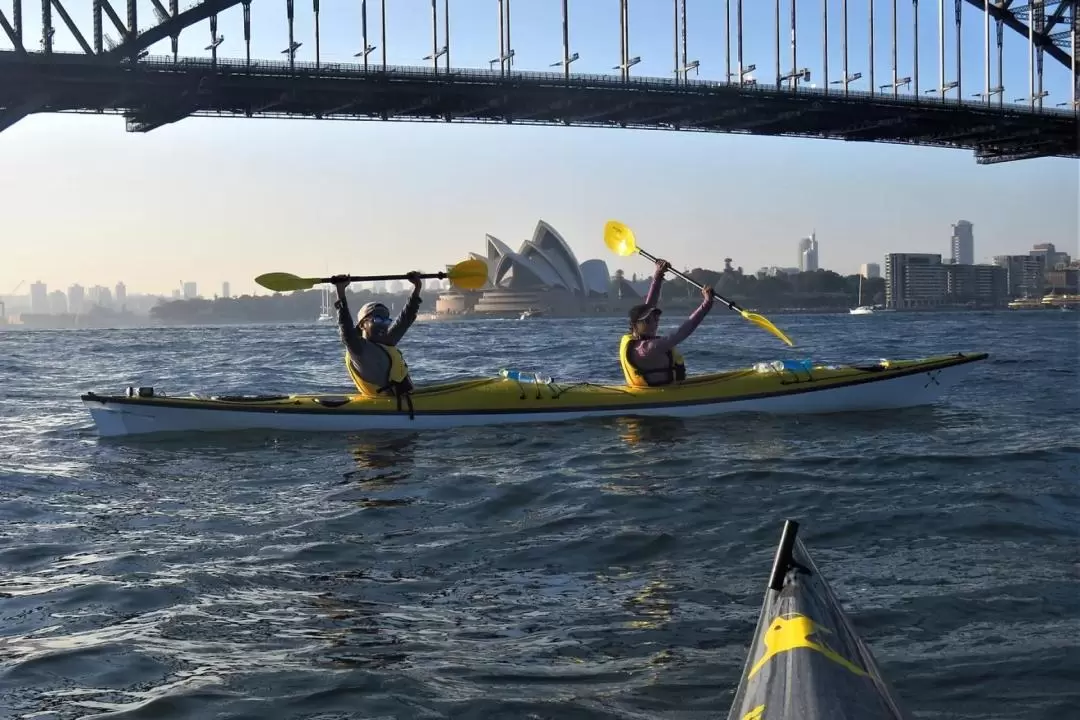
[806, 660]
[499, 401]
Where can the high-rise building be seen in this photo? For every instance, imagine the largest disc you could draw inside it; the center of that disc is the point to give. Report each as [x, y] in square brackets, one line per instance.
[100, 295]
[808, 253]
[58, 303]
[76, 298]
[980, 285]
[121, 294]
[1051, 257]
[225, 289]
[914, 280]
[1024, 274]
[963, 243]
[39, 298]
[190, 290]
[870, 270]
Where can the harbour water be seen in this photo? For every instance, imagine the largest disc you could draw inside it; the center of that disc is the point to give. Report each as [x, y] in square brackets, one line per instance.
[601, 569]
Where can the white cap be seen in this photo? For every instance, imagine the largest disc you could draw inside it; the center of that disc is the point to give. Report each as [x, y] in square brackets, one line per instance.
[368, 309]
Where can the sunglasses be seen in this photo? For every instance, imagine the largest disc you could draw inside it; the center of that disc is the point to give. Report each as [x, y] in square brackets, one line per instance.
[379, 319]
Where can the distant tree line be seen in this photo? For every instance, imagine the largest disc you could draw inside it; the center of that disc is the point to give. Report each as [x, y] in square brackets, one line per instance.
[818, 289]
[300, 306]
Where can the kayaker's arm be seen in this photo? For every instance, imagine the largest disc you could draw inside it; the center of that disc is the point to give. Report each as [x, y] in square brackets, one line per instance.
[408, 314]
[350, 336]
[653, 296]
[663, 343]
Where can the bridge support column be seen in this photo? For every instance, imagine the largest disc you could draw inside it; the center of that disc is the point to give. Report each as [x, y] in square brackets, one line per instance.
[915, 35]
[174, 10]
[870, 36]
[1073, 40]
[46, 26]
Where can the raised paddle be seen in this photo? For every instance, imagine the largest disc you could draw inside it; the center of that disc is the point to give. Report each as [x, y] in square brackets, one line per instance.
[466, 275]
[620, 240]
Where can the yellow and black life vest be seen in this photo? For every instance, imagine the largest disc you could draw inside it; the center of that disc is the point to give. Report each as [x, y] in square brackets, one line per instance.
[673, 373]
[399, 384]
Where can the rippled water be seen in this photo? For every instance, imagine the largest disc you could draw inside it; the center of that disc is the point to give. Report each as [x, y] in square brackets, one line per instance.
[600, 569]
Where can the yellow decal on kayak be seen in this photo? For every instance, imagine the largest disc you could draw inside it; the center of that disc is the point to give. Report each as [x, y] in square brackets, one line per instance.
[789, 633]
[754, 714]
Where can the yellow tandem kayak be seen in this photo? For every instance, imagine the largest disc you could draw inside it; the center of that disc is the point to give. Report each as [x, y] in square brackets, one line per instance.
[793, 389]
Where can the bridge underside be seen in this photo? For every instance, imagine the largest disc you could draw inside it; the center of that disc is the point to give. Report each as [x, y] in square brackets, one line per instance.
[154, 92]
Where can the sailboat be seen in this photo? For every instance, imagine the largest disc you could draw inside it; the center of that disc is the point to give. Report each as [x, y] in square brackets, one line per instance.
[326, 311]
[861, 309]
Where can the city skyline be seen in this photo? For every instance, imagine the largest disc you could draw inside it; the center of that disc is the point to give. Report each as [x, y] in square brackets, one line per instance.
[808, 249]
[210, 199]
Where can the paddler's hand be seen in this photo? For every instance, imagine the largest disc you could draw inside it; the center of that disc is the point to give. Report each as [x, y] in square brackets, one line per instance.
[707, 293]
[341, 282]
[662, 266]
[417, 281]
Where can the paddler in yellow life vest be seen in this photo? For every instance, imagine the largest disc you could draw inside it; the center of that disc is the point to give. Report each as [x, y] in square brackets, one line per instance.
[372, 358]
[649, 360]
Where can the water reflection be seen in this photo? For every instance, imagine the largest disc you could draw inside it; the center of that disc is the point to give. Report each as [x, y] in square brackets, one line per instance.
[382, 459]
[651, 431]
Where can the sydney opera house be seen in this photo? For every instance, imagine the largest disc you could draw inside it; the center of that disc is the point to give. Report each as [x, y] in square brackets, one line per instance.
[544, 276]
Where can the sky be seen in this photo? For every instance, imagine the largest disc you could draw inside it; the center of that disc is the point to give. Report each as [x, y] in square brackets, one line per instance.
[215, 199]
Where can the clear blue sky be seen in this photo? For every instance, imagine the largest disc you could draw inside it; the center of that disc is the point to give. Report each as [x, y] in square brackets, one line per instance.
[219, 199]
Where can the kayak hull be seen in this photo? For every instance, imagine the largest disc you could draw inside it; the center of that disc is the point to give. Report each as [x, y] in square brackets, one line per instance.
[483, 401]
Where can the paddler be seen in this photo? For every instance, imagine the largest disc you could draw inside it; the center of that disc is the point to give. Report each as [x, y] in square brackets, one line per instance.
[372, 358]
[651, 360]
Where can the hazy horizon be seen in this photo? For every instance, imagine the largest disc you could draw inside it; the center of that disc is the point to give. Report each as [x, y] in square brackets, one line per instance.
[213, 200]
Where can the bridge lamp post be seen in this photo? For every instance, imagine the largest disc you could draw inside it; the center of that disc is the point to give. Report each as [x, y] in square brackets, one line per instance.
[434, 57]
[565, 63]
[1033, 98]
[503, 60]
[291, 52]
[988, 95]
[694, 65]
[364, 53]
[902, 82]
[215, 42]
[743, 80]
[797, 75]
[845, 81]
[944, 89]
[628, 64]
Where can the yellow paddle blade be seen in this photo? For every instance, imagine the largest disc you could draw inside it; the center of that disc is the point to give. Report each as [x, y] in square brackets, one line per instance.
[284, 282]
[619, 238]
[469, 274]
[764, 324]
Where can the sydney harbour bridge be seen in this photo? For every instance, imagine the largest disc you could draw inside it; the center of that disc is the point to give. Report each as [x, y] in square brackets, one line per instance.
[830, 71]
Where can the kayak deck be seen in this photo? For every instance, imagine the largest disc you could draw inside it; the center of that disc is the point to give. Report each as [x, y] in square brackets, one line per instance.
[806, 660]
[479, 401]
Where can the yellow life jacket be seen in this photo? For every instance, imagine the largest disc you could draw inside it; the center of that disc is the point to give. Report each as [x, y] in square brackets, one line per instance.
[399, 384]
[673, 373]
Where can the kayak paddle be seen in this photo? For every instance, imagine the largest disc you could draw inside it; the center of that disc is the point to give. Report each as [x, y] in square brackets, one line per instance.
[466, 275]
[620, 240]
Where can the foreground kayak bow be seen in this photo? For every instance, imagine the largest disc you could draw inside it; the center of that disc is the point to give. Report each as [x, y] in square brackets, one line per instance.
[807, 661]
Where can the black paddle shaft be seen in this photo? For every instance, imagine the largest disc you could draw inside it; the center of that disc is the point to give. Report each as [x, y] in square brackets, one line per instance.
[371, 278]
[696, 284]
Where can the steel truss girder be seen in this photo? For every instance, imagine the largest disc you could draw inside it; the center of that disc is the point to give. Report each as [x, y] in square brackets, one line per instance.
[132, 44]
[1009, 17]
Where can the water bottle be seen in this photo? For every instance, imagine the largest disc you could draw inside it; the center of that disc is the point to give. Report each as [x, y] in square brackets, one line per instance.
[762, 367]
[522, 376]
[796, 365]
